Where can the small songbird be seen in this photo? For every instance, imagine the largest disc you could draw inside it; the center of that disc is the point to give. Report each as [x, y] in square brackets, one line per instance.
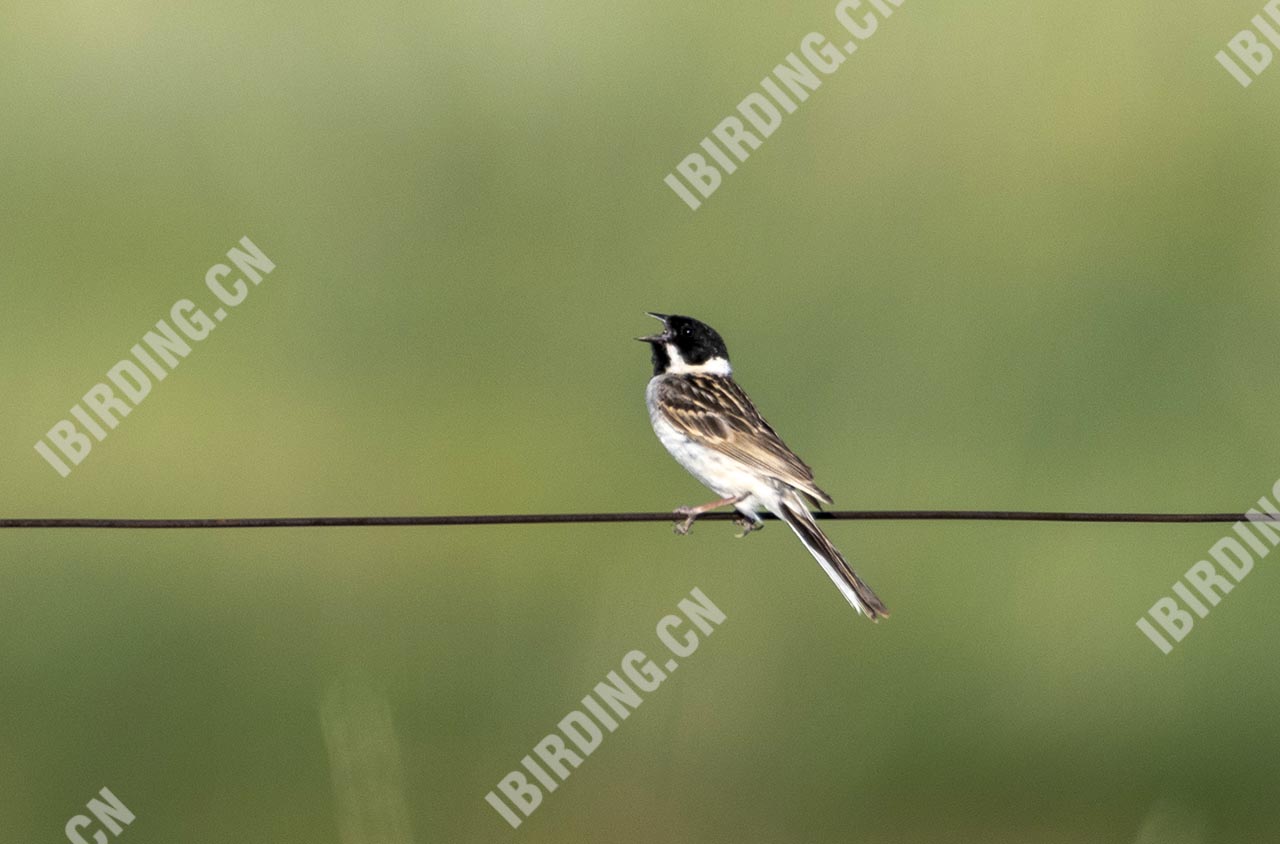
[714, 431]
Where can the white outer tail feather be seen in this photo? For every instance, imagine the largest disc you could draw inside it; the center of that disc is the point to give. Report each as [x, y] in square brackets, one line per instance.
[793, 511]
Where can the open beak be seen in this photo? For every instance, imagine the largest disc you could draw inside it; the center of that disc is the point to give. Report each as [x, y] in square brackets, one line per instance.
[657, 338]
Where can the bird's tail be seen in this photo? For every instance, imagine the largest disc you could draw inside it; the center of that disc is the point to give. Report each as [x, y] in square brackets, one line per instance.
[858, 594]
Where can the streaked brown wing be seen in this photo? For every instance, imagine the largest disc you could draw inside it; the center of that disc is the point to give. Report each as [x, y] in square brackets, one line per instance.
[717, 413]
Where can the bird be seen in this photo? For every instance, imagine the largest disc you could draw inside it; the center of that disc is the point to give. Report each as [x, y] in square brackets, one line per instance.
[712, 429]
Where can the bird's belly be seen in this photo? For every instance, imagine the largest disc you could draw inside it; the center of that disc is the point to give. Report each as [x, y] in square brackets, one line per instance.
[720, 473]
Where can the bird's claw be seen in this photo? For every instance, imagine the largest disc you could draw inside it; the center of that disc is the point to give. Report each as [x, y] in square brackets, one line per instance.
[689, 514]
[748, 525]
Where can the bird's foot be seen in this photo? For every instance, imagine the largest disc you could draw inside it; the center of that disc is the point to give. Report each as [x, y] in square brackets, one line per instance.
[747, 524]
[691, 513]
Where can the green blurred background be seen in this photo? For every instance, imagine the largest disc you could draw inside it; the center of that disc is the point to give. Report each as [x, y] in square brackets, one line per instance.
[1011, 255]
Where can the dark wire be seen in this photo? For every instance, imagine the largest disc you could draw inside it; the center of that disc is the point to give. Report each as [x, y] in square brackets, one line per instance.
[665, 516]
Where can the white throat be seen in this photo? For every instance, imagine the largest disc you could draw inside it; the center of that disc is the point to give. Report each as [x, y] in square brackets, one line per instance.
[678, 365]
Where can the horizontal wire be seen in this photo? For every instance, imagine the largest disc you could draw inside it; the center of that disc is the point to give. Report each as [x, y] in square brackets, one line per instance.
[664, 516]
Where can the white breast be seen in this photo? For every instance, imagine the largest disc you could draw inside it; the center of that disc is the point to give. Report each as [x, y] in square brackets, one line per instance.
[720, 473]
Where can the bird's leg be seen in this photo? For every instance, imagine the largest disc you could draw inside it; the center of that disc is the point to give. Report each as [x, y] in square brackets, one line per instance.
[747, 524]
[691, 513]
